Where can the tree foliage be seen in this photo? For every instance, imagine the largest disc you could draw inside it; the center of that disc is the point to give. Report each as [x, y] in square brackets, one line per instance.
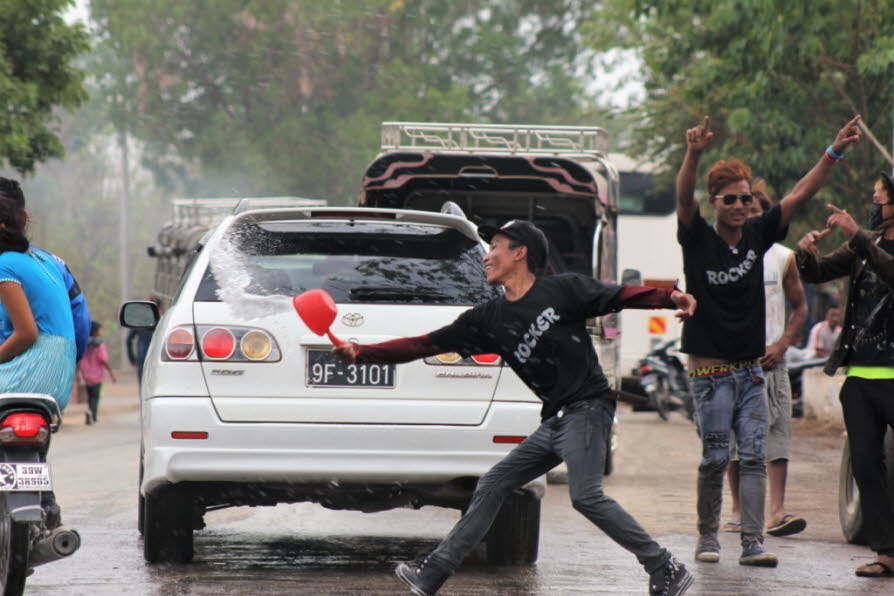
[778, 78]
[285, 96]
[36, 76]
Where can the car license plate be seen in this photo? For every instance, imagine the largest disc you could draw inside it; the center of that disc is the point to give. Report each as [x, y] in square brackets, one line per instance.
[25, 477]
[323, 370]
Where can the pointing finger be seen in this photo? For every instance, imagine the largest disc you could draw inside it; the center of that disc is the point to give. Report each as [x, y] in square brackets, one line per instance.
[834, 209]
[707, 124]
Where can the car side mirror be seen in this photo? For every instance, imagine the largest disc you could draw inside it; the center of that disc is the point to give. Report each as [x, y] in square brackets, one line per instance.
[631, 277]
[139, 314]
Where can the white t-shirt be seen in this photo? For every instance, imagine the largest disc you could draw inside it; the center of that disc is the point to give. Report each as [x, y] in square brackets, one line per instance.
[775, 262]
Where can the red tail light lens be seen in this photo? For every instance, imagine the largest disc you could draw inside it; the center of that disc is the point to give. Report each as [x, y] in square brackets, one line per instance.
[218, 343]
[486, 358]
[509, 438]
[180, 344]
[24, 428]
[644, 369]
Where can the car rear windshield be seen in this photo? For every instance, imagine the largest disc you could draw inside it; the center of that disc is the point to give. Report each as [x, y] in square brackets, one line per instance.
[359, 262]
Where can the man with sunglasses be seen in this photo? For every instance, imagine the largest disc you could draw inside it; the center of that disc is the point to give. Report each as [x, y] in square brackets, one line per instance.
[725, 338]
[866, 348]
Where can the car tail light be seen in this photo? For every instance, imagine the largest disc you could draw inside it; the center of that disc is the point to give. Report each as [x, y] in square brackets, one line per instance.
[452, 358]
[24, 428]
[486, 358]
[218, 343]
[256, 345]
[180, 344]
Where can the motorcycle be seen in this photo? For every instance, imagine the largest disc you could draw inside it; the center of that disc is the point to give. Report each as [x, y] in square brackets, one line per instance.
[30, 534]
[795, 375]
[663, 377]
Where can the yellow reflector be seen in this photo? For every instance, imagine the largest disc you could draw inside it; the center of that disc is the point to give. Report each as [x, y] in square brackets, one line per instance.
[256, 345]
[449, 357]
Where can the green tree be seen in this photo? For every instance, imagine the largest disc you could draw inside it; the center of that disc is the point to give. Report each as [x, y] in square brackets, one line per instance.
[778, 78]
[286, 97]
[36, 76]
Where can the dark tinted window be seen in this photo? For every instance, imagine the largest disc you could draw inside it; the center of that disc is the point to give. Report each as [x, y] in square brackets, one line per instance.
[365, 262]
[639, 196]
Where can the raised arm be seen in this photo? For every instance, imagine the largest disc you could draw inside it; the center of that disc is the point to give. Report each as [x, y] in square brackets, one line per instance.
[697, 140]
[816, 177]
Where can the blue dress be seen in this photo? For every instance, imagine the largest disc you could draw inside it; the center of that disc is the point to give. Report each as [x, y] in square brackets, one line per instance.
[48, 366]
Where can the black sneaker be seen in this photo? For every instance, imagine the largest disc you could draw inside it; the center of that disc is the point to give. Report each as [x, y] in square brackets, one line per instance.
[754, 555]
[671, 579]
[424, 577]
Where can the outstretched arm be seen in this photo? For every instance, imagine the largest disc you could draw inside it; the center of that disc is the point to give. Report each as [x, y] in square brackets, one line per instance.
[647, 297]
[816, 177]
[697, 140]
[394, 351]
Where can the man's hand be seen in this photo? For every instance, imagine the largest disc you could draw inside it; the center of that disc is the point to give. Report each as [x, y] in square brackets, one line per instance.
[847, 136]
[685, 302]
[698, 138]
[774, 355]
[808, 242]
[843, 220]
[345, 353]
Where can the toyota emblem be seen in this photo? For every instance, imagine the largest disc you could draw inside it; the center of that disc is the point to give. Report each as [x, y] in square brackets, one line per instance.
[352, 319]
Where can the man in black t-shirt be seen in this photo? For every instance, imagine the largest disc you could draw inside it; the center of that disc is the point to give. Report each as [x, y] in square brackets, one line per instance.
[866, 347]
[725, 338]
[539, 328]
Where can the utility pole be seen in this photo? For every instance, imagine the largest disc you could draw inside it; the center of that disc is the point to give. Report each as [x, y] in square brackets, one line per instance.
[123, 265]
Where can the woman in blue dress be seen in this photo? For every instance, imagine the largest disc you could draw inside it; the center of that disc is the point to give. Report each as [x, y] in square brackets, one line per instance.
[39, 356]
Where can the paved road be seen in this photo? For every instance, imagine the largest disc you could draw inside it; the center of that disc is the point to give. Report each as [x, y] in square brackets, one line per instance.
[306, 549]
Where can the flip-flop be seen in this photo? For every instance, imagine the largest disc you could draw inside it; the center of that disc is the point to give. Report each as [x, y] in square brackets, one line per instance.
[732, 526]
[885, 572]
[788, 525]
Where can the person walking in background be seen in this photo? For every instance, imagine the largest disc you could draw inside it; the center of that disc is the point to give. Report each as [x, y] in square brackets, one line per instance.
[781, 284]
[823, 335]
[866, 348]
[80, 313]
[725, 337]
[92, 369]
[137, 343]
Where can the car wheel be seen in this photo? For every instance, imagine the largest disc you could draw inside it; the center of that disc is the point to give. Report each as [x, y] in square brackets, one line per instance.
[849, 513]
[514, 537]
[167, 526]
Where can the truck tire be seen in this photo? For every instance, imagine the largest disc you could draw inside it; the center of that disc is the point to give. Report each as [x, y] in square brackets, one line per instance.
[167, 526]
[849, 513]
[514, 537]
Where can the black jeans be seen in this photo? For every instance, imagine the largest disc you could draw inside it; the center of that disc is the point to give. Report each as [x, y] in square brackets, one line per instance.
[93, 398]
[578, 437]
[868, 406]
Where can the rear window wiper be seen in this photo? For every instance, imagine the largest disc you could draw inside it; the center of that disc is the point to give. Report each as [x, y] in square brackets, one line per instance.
[391, 292]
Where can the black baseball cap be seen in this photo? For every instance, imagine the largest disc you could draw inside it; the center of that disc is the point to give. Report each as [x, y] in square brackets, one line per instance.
[524, 233]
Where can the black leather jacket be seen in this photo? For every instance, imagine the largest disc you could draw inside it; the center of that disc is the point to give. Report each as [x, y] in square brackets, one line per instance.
[868, 331]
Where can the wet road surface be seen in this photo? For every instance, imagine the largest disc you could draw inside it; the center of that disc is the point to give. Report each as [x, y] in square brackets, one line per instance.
[306, 549]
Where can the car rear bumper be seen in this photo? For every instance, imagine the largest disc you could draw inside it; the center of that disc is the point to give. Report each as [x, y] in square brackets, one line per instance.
[289, 453]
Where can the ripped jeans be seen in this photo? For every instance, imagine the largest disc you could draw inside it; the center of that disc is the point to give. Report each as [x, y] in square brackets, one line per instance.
[733, 401]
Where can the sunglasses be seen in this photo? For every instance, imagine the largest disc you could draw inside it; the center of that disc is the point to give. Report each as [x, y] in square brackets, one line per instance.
[731, 198]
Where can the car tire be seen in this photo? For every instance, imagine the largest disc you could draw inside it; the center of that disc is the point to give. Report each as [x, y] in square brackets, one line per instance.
[514, 537]
[849, 512]
[167, 526]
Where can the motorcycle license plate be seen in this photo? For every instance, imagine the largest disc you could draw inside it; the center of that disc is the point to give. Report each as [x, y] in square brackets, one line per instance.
[25, 477]
[323, 370]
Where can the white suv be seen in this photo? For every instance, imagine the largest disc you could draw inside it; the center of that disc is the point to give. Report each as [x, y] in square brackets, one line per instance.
[243, 405]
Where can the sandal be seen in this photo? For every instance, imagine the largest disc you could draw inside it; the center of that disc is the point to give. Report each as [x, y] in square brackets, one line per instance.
[864, 570]
[732, 526]
[788, 525]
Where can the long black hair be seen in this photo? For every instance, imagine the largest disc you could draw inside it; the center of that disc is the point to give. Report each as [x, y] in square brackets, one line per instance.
[12, 226]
